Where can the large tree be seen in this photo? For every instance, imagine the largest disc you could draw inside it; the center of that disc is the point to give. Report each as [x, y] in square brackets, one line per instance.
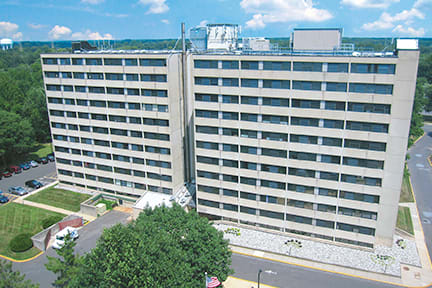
[164, 247]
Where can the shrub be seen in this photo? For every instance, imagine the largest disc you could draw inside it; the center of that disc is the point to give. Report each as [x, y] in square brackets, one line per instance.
[21, 243]
[47, 222]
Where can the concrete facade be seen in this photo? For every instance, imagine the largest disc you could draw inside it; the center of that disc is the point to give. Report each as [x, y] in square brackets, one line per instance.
[311, 145]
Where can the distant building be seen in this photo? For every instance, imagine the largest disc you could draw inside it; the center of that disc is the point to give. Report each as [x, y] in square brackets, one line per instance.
[6, 44]
[309, 140]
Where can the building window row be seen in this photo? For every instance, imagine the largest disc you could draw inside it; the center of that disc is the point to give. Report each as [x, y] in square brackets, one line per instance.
[112, 131]
[107, 90]
[146, 62]
[296, 66]
[112, 118]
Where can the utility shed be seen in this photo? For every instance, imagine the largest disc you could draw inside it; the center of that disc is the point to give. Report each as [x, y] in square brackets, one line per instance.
[152, 200]
[316, 39]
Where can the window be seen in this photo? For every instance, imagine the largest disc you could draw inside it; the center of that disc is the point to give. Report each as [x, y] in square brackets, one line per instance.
[247, 181]
[156, 136]
[53, 87]
[230, 115]
[333, 124]
[134, 120]
[299, 204]
[86, 141]
[208, 160]
[329, 176]
[119, 132]
[206, 81]
[84, 128]
[325, 223]
[304, 121]
[273, 184]
[249, 83]
[93, 61]
[303, 139]
[230, 99]
[230, 65]
[69, 101]
[274, 136]
[367, 145]
[114, 76]
[207, 130]
[78, 75]
[230, 193]
[301, 188]
[77, 61]
[231, 82]
[155, 122]
[359, 197]
[115, 91]
[72, 127]
[137, 106]
[249, 133]
[361, 180]
[272, 199]
[336, 86]
[371, 88]
[136, 134]
[373, 68]
[113, 62]
[327, 192]
[369, 108]
[249, 65]
[101, 117]
[58, 125]
[277, 66]
[230, 163]
[355, 229]
[357, 213]
[98, 90]
[68, 88]
[50, 61]
[367, 126]
[337, 67]
[95, 76]
[97, 103]
[301, 172]
[307, 66]
[330, 159]
[328, 141]
[229, 132]
[367, 163]
[248, 165]
[153, 62]
[208, 189]
[275, 119]
[160, 150]
[131, 62]
[52, 74]
[277, 102]
[101, 130]
[276, 84]
[154, 93]
[208, 175]
[274, 152]
[298, 219]
[57, 113]
[116, 105]
[335, 105]
[273, 169]
[71, 114]
[81, 89]
[206, 97]
[248, 150]
[302, 156]
[308, 104]
[103, 155]
[307, 85]
[132, 77]
[206, 64]
[248, 210]
[207, 145]
[230, 207]
[153, 77]
[249, 117]
[206, 114]
[116, 118]
[229, 147]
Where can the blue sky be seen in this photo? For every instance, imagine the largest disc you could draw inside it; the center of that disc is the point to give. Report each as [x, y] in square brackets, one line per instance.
[48, 20]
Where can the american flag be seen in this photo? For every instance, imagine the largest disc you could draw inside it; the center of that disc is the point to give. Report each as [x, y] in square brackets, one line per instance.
[212, 282]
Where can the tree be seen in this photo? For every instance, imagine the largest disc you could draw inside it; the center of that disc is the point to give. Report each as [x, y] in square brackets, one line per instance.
[67, 267]
[164, 247]
[10, 278]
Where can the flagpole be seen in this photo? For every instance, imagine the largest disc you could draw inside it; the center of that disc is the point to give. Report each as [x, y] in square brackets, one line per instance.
[205, 279]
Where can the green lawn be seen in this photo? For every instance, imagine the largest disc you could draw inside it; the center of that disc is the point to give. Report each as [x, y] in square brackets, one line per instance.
[43, 151]
[406, 193]
[59, 198]
[16, 219]
[404, 221]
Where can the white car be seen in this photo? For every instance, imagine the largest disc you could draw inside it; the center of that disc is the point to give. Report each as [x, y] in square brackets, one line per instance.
[34, 164]
[60, 236]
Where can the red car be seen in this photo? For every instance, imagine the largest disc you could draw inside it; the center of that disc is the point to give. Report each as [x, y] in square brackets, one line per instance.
[7, 174]
[15, 169]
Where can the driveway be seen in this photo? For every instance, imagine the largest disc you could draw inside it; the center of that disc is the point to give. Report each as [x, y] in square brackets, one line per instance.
[35, 270]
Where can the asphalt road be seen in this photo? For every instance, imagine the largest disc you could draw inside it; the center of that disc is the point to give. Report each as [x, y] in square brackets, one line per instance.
[47, 172]
[35, 270]
[291, 276]
[421, 179]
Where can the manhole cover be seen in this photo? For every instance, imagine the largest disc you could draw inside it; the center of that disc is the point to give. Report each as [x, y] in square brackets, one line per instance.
[406, 268]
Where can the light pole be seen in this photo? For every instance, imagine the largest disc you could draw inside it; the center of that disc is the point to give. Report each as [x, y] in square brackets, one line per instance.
[267, 271]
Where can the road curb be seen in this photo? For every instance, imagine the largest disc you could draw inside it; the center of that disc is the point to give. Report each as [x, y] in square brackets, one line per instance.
[22, 261]
[418, 139]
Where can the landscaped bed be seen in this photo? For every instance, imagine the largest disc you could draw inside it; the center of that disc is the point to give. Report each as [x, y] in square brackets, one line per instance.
[17, 219]
[404, 221]
[59, 198]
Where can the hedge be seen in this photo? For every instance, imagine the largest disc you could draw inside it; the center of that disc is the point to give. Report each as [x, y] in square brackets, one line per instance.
[21, 242]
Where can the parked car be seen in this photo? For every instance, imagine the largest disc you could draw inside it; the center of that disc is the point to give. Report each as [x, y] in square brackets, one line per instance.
[43, 160]
[7, 174]
[17, 190]
[51, 157]
[60, 236]
[34, 164]
[25, 166]
[33, 184]
[15, 169]
[3, 199]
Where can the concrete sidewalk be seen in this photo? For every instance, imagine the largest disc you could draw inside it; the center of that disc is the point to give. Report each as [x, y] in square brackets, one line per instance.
[233, 282]
[411, 276]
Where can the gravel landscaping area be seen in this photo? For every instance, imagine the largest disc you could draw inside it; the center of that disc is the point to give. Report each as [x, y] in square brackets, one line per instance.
[382, 260]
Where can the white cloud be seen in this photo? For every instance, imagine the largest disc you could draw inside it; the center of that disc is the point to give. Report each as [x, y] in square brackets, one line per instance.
[92, 2]
[7, 29]
[282, 11]
[422, 3]
[17, 36]
[156, 6]
[36, 26]
[382, 4]
[386, 21]
[165, 21]
[409, 31]
[89, 35]
[59, 32]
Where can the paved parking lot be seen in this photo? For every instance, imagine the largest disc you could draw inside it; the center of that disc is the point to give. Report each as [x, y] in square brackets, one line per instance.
[45, 173]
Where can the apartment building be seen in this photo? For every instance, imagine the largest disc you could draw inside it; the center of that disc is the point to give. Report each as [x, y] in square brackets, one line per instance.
[115, 120]
[309, 141]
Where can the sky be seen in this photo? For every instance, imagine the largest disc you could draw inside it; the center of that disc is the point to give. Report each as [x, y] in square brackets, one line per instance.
[51, 20]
